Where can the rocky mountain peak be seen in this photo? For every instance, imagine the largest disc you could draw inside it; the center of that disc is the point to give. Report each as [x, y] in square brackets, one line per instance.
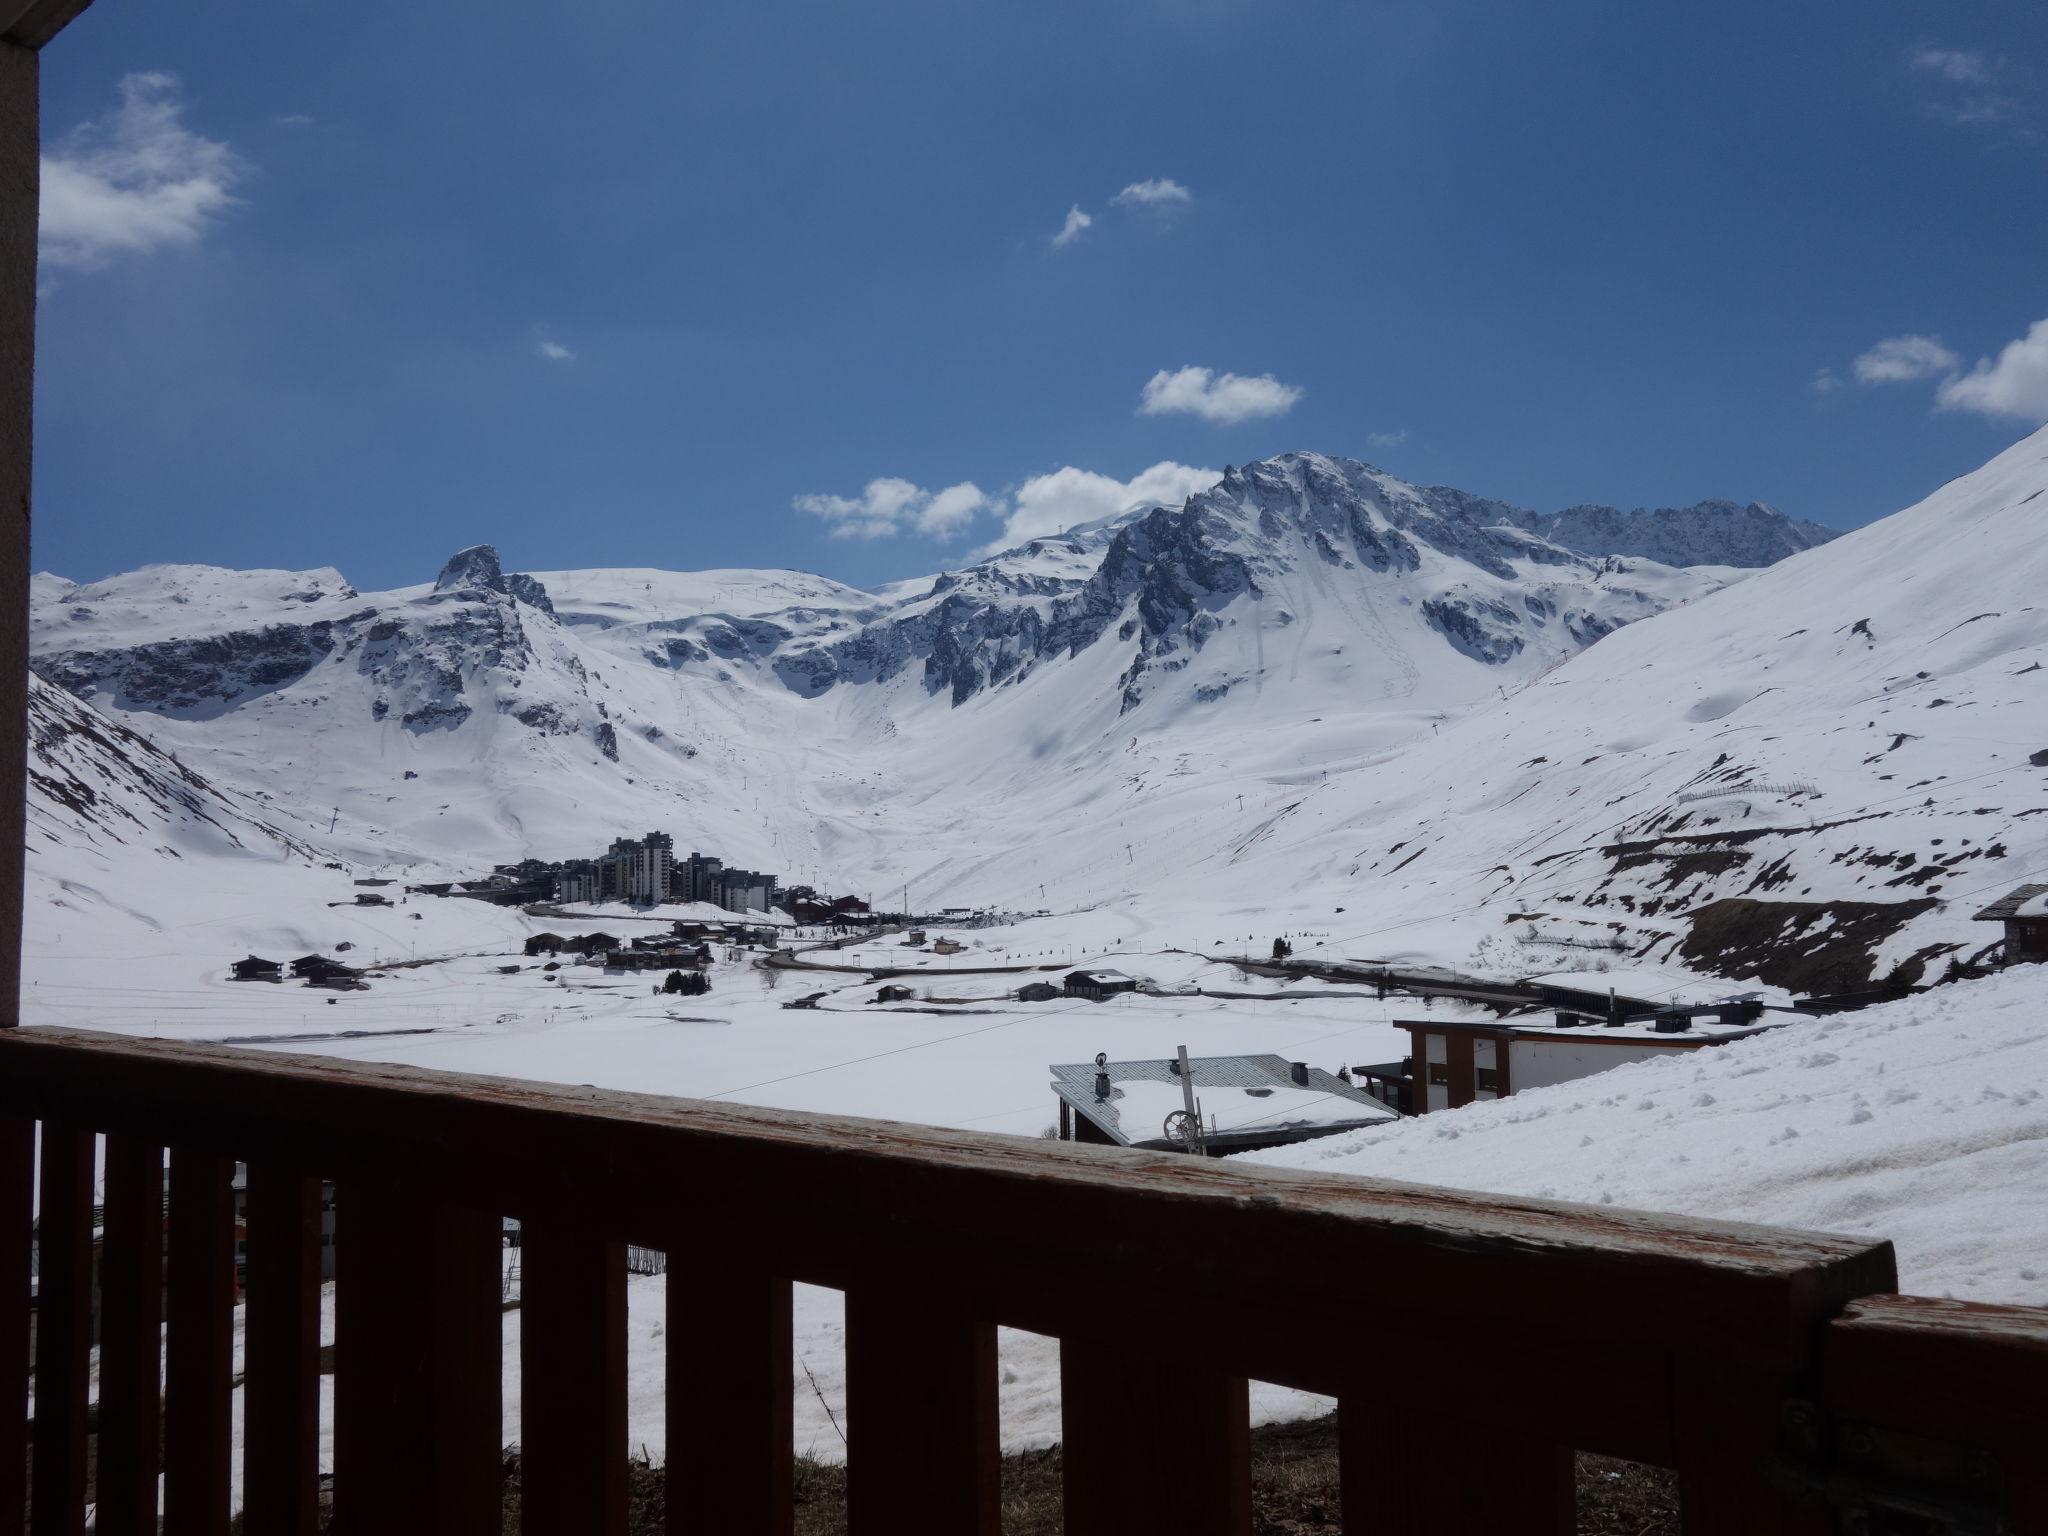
[471, 570]
[478, 569]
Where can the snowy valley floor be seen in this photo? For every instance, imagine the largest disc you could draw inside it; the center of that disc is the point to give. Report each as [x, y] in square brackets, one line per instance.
[1918, 1121]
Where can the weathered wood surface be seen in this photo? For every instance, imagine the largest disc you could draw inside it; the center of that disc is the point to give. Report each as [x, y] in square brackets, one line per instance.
[572, 1381]
[131, 1340]
[731, 1427]
[17, 1206]
[830, 1200]
[281, 1353]
[923, 1447]
[63, 1331]
[1961, 1373]
[1149, 1444]
[417, 1365]
[1430, 1454]
[1977, 1370]
[32, 23]
[199, 1343]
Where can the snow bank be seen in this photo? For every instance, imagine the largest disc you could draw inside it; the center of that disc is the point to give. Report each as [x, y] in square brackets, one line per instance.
[1920, 1121]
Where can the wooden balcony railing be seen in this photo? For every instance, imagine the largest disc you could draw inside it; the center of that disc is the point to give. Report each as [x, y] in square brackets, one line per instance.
[1473, 1343]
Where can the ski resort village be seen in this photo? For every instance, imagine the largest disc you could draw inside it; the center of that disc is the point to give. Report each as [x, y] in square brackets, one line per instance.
[1284, 998]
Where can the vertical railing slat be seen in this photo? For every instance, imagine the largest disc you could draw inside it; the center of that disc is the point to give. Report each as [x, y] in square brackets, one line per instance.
[281, 1353]
[921, 1426]
[572, 1331]
[418, 1363]
[1729, 1427]
[1148, 1444]
[63, 1332]
[1415, 1462]
[131, 1340]
[17, 1207]
[199, 1345]
[731, 1432]
[467, 1350]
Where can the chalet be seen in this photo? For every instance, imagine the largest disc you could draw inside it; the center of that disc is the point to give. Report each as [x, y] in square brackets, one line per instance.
[545, 944]
[256, 968]
[314, 967]
[2024, 911]
[948, 947]
[894, 994]
[1098, 985]
[1245, 1102]
[591, 943]
[1037, 992]
[433, 888]
[639, 960]
[914, 938]
[1454, 1062]
[339, 979]
[371, 899]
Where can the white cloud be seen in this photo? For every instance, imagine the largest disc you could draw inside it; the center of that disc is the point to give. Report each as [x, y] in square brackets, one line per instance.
[1221, 398]
[554, 351]
[1386, 439]
[133, 181]
[890, 505]
[1052, 503]
[2014, 384]
[1825, 381]
[1956, 65]
[1160, 193]
[1905, 360]
[1077, 222]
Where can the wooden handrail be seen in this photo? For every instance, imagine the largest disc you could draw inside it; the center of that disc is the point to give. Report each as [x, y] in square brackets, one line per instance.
[1659, 1337]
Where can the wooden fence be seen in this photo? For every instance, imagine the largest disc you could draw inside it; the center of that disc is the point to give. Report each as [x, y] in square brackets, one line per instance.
[1473, 1342]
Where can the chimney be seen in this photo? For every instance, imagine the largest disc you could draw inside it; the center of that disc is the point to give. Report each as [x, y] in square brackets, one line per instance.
[1299, 1072]
[1102, 1087]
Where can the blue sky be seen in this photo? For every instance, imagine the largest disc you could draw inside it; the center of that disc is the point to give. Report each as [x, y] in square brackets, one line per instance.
[773, 283]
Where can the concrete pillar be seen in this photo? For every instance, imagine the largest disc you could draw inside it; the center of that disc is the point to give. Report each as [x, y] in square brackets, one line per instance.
[20, 112]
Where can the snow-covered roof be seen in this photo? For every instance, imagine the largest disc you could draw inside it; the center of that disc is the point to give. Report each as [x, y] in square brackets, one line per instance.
[1539, 1027]
[1242, 1097]
[2021, 901]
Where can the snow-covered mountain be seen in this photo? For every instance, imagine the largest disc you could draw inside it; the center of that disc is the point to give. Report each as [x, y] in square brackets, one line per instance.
[1312, 690]
[491, 714]
[1706, 533]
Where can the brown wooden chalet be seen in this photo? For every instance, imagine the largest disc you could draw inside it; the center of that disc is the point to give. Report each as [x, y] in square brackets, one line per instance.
[321, 968]
[256, 968]
[2024, 912]
[1779, 1372]
[545, 944]
[1098, 985]
[1454, 1062]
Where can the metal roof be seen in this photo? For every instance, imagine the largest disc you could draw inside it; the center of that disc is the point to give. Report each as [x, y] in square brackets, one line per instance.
[1075, 1082]
[2010, 903]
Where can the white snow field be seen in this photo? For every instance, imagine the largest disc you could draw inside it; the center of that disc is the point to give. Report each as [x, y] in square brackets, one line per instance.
[1314, 703]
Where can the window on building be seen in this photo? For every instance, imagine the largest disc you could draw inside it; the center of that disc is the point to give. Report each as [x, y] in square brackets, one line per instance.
[1489, 1080]
[1439, 1075]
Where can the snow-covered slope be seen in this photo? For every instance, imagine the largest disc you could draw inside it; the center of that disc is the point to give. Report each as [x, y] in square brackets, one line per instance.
[773, 716]
[1815, 776]
[1922, 1121]
[1313, 690]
